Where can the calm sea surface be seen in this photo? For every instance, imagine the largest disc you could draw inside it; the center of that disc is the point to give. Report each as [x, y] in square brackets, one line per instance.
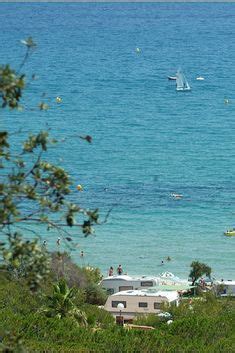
[149, 140]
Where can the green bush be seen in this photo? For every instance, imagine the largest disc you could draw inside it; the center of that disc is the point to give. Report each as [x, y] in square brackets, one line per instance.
[16, 296]
[98, 317]
[95, 294]
[62, 266]
[148, 320]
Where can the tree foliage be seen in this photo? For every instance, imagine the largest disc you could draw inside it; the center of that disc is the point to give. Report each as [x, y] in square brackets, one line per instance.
[40, 183]
[198, 270]
[11, 87]
[27, 260]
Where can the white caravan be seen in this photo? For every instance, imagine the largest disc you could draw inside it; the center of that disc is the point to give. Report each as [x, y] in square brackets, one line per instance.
[137, 302]
[119, 283]
[225, 288]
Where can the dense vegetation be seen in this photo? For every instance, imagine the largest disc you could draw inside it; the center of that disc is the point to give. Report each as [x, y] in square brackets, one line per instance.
[47, 321]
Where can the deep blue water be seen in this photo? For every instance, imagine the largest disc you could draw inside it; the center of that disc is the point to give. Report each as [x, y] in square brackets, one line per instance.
[149, 140]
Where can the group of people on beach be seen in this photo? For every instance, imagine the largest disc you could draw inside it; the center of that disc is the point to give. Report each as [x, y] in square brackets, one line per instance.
[119, 270]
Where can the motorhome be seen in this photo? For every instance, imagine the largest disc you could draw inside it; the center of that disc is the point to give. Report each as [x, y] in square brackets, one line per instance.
[225, 288]
[137, 302]
[119, 283]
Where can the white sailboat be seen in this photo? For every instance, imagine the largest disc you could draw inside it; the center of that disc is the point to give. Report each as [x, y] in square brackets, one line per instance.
[181, 82]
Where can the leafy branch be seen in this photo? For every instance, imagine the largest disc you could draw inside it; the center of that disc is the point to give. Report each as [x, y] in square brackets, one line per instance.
[42, 187]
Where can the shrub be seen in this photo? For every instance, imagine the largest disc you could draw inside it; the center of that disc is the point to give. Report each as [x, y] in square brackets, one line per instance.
[62, 266]
[148, 320]
[95, 294]
[98, 317]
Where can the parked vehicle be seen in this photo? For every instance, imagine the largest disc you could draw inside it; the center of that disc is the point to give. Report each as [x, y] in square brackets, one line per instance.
[225, 288]
[119, 283]
[137, 302]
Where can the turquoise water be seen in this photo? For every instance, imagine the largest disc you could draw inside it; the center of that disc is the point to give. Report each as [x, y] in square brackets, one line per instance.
[149, 140]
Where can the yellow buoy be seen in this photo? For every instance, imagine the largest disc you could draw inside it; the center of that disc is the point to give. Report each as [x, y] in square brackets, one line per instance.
[79, 187]
[58, 99]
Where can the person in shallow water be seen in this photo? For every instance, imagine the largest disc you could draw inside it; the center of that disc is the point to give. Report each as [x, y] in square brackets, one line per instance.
[119, 270]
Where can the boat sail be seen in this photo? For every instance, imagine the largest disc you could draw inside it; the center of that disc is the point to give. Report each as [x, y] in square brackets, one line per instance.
[181, 82]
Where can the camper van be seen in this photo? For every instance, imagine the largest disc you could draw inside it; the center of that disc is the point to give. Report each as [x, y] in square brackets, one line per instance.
[225, 288]
[119, 283]
[137, 302]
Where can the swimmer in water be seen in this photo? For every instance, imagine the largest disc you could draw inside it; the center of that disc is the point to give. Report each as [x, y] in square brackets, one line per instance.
[176, 196]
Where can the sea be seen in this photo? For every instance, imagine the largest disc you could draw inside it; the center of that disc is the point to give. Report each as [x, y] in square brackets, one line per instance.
[109, 63]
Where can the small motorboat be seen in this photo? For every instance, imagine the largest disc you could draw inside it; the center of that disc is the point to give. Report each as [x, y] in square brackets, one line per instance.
[172, 78]
[200, 78]
[230, 232]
